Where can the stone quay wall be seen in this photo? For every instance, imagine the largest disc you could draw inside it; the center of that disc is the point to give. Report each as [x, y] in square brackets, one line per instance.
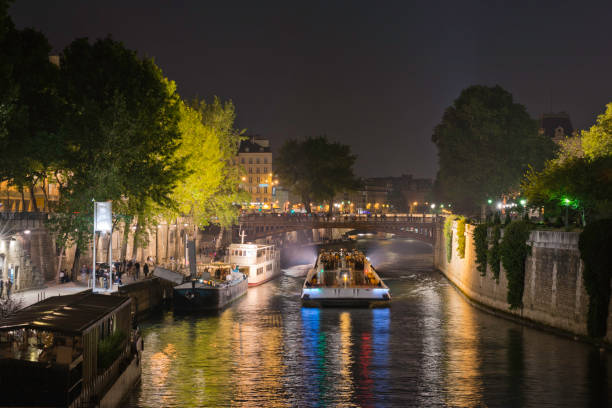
[554, 295]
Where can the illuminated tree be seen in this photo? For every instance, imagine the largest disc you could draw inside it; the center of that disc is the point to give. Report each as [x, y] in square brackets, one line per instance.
[210, 191]
[579, 177]
[121, 130]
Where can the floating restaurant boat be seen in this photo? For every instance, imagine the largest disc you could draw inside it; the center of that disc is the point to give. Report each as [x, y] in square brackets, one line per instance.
[260, 262]
[212, 288]
[344, 278]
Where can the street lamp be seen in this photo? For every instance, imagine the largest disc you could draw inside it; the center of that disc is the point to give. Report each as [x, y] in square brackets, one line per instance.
[566, 203]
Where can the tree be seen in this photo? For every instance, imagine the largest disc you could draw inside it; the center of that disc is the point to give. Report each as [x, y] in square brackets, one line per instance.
[210, 191]
[580, 175]
[29, 140]
[485, 144]
[316, 169]
[121, 132]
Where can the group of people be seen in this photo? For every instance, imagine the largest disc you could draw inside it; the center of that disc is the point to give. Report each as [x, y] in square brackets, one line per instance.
[131, 268]
[5, 288]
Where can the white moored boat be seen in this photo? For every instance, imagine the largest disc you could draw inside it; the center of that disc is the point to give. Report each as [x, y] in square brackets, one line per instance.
[261, 260]
[344, 278]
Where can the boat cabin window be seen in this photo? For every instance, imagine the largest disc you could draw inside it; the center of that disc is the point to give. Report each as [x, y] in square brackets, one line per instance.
[260, 270]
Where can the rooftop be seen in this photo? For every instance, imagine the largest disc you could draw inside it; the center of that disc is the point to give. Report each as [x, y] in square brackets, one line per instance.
[253, 145]
[65, 314]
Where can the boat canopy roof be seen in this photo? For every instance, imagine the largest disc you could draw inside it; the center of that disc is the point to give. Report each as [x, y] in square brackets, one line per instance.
[66, 314]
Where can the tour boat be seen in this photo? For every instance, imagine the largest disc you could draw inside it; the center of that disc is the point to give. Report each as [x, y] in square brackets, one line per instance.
[344, 278]
[212, 288]
[261, 262]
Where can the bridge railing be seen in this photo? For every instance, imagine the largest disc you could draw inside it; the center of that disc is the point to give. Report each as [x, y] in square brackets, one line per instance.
[348, 219]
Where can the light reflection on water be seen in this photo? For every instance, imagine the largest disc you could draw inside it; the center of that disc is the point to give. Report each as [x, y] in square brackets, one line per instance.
[430, 348]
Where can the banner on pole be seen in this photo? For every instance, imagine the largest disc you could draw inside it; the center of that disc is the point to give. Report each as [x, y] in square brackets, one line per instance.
[103, 216]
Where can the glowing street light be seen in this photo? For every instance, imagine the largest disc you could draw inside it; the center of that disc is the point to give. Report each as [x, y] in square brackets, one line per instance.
[433, 206]
[489, 201]
[523, 202]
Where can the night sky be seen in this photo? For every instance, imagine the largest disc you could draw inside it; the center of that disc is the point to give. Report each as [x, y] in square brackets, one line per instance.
[375, 75]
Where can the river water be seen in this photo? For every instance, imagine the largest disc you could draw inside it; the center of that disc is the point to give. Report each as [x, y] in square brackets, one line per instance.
[430, 348]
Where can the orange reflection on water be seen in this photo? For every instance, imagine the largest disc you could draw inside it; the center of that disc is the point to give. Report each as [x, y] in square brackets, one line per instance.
[463, 374]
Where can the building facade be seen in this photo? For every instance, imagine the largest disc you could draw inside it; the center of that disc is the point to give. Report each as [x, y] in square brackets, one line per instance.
[557, 126]
[255, 158]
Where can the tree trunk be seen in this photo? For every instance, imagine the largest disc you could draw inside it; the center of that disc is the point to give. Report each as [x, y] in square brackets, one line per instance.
[45, 186]
[219, 239]
[306, 201]
[136, 239]
[33, 197]
[75, 265]
[60, 258]
[125, 239]
[22, 199]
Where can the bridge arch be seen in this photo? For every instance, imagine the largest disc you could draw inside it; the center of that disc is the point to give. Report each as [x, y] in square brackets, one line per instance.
[258, 226]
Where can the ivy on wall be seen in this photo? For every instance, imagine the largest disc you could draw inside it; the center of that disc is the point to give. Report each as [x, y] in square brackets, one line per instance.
[595, 244]
[481, 247]
[514, 251]
[493, 256]
[461, 237]
[448, 237]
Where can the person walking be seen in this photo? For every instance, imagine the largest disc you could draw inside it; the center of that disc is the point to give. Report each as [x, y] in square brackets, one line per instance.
[1, 288]
[9, 284]
[137, 267]
[145, 269]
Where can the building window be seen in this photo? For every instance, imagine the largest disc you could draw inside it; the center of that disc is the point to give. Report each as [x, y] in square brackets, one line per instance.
[250, 189]
[257, 160]
[258, 191]
[265, 170]
[251, 160]
[258, 179]
[251, 180]
[242, 160]
[257, 170]
[250, 170]
[265, 160]
[266, 190]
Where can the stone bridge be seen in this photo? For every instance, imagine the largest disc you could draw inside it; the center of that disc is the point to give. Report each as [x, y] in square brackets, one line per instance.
[263, 225]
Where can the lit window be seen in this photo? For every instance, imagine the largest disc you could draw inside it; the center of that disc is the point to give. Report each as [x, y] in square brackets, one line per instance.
[265, 170]
[266, 190]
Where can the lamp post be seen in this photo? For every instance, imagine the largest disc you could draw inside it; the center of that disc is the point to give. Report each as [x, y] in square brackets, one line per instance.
[566, 203]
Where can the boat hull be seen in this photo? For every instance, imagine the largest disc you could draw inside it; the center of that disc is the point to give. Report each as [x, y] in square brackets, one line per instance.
[346, 297]
[201, 298]
[264, 280]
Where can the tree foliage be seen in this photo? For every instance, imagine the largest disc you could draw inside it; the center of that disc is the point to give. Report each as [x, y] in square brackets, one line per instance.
[485, 143]
[30, 109]
[448, 237]
[120, 132]
[209, 192]
[581, 173]
[595, 245]
[316, 169]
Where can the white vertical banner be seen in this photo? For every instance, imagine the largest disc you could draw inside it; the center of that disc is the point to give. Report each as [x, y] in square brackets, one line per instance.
[103, 216]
